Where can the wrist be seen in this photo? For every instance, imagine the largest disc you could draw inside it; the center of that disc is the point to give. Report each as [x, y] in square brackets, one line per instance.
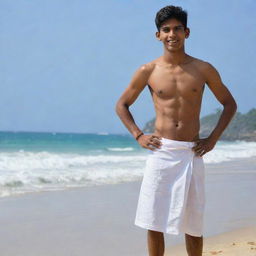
[213, 138]
[139, 135]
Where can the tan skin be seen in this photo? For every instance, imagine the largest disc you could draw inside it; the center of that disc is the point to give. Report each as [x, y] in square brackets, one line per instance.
[176, 82]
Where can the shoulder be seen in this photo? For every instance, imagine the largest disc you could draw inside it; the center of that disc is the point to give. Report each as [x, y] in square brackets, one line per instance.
[200, 64]
[144, 71]
[206, 68]
[147, 68]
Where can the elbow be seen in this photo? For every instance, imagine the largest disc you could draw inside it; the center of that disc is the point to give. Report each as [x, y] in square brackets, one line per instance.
[232, 105]
[235, 106]
[119, 106]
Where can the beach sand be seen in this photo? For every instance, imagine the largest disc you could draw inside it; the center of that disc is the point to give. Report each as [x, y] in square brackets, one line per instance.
[99, 220]
[239, 242]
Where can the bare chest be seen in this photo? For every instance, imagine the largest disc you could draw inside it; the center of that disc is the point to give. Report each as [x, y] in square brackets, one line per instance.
[176, 82]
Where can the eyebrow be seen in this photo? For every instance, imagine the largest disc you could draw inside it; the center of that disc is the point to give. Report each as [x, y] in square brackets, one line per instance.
[167, 26]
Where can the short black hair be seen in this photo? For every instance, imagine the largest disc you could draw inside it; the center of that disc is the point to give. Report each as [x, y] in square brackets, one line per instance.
[171, 12]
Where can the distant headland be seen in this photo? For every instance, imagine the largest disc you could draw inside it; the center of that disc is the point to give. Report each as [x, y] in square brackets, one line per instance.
[242, 126]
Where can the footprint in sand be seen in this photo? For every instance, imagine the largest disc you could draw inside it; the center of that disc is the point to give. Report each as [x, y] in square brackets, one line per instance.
[252, 243]
[215, 252]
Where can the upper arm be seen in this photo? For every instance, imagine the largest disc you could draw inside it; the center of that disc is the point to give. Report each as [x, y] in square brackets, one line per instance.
[215, 84]
[136, 85]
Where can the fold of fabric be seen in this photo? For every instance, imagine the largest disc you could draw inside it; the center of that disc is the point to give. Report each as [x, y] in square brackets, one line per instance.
[172, 193]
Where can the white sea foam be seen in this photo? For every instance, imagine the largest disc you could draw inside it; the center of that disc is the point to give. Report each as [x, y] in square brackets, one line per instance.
[230, 151]
[121, 149]
[31, 172]
[23, 172]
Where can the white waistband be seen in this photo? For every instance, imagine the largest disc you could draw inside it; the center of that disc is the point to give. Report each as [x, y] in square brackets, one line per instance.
[177, 143]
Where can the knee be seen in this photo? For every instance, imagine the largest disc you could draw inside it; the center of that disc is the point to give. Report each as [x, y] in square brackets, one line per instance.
[187, 235]
[153, 232]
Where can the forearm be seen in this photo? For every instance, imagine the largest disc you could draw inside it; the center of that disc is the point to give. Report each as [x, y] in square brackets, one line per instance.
[225, 118]
[127, 119]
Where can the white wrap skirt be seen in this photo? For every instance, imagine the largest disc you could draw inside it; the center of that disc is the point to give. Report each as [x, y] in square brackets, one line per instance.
[172, 193]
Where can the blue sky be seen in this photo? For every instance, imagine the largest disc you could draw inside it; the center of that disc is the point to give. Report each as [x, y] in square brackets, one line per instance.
[64, 64]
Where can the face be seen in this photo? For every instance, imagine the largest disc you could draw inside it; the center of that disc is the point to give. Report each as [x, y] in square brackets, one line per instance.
[172, 34]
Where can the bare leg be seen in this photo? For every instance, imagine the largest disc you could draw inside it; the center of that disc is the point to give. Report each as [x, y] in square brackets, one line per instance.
[194, 245]
[155, 243]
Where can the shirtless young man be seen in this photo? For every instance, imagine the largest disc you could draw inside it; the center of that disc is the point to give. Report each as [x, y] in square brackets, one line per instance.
[176, 82]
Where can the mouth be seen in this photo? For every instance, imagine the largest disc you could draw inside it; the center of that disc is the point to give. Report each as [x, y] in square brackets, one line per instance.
[172, 42]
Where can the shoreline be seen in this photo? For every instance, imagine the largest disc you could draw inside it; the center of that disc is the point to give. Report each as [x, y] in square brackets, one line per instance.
[236, 165]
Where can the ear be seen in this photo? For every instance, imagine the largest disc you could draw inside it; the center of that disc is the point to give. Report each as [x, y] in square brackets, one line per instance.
[187, 32]
[158, 36]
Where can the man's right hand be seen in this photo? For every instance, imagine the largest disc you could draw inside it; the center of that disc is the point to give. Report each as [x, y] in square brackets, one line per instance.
[150, 141]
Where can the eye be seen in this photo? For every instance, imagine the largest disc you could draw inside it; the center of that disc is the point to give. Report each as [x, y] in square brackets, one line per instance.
[165, 30]
[178, 28]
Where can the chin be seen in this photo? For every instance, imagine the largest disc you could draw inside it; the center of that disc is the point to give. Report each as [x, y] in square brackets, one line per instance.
[171, 49]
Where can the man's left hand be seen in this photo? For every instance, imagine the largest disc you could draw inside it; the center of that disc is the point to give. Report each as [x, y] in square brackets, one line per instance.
[203, 146]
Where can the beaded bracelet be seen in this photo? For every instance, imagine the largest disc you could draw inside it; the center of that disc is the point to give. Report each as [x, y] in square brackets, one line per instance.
[139, 135]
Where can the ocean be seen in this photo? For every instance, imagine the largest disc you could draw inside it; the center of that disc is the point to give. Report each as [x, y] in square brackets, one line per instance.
[34, 161]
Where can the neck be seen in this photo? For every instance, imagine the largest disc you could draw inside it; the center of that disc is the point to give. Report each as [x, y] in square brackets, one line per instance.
[175, 57]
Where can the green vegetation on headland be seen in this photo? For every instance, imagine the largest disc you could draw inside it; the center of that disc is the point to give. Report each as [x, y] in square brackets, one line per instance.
[241, 127]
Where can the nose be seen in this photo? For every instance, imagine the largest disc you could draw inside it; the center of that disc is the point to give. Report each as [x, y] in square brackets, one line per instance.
[171, 33]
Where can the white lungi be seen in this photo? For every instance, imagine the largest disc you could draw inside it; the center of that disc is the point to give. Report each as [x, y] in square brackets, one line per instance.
[172, 193]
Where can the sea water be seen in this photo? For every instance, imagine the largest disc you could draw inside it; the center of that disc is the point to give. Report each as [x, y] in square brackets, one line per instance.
[34, 162]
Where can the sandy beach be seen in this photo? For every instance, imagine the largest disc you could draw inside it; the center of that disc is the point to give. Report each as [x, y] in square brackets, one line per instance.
[99, 220]
[239, 242]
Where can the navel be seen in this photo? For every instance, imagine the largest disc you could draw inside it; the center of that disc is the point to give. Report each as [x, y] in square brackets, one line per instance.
[194, 90]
